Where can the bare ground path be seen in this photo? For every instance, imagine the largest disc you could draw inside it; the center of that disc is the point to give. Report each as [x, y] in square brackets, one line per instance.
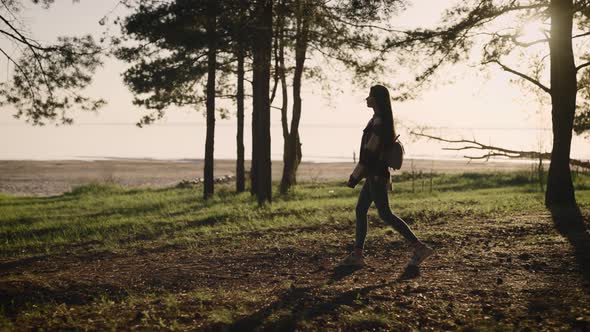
[511, 273]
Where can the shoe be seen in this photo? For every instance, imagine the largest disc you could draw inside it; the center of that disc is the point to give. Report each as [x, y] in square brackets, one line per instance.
[353, 260]
[420, 254]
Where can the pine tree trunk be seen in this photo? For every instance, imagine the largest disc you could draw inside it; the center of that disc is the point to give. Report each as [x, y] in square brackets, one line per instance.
[284, 188]
[209, 142]
[240, 180]
[291, 161]
[560, 189]
[287, 178]
[292, 149]
[262, 50]
[253, 172]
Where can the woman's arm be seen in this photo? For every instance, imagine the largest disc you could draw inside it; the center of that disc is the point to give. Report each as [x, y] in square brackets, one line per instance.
[371, 151]
[374, 144]
[358, 173]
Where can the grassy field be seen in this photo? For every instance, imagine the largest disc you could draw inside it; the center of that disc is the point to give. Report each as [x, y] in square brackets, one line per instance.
[107, 258]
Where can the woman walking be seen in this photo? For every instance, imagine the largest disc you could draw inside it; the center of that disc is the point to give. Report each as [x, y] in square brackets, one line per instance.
[378, 135]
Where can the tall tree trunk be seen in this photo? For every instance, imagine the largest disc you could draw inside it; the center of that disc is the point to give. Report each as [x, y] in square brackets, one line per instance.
[292, 150]
[560, 189]
[211, 60]
[254, 158]
[253, 169]
[240, 180]
[285, 104]
[292, 159]
[262, 49]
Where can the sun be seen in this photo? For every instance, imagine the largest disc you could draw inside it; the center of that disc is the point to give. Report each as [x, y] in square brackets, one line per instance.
[531, 31]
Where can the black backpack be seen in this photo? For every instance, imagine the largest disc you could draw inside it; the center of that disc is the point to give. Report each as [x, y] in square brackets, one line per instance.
[394, 154]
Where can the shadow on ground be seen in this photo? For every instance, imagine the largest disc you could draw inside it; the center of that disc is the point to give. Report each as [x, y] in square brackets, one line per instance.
[14, 296]
[570, 223]
[299, 304]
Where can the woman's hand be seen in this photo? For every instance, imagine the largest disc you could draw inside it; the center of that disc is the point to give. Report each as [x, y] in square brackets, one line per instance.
[359, 171]
[352, 182]
[356, 176]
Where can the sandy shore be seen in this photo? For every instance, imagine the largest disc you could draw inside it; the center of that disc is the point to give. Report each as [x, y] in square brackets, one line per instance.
[52, 177]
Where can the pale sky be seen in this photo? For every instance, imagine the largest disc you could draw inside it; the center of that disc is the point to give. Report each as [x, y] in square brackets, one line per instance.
[490, 109]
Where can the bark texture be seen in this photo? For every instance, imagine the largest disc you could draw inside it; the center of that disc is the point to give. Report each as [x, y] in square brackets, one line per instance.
[292, 149]
[262, 50]
[240, 176]
[560, 189]
[210, 137]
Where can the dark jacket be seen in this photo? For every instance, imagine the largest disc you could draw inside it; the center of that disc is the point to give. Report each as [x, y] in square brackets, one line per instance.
[372, 144]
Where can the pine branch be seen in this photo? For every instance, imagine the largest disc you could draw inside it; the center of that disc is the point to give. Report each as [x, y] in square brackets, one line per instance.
[512, 37]
[19, 37]
[22, 71]
[361, 26]
[34, 48]
[528, 44]
[581, 35]
[20, 40]
[517, 73]
[495, 151]
[582, 66]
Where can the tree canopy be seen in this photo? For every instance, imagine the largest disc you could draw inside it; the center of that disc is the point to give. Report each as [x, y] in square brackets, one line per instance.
[47, 78]
[552, 61]
[510, 34]
[167, 45]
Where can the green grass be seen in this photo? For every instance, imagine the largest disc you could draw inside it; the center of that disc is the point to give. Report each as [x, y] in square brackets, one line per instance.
[109, 217]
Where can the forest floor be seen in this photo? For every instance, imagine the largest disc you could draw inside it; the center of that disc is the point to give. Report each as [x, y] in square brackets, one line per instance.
[104, 257]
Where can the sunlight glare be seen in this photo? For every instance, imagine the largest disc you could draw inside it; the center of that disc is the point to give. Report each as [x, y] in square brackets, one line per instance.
[531, 31]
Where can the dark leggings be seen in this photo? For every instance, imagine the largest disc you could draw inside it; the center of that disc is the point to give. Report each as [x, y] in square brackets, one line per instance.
[375, 190]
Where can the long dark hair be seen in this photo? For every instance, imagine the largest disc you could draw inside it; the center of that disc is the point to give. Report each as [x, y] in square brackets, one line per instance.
[381, 96]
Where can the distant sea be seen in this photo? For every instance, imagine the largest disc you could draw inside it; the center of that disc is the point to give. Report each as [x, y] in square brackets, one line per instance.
[320, 143]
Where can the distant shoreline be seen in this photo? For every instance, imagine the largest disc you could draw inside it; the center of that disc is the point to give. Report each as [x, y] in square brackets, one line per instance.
[334, 160]
[54, 177]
